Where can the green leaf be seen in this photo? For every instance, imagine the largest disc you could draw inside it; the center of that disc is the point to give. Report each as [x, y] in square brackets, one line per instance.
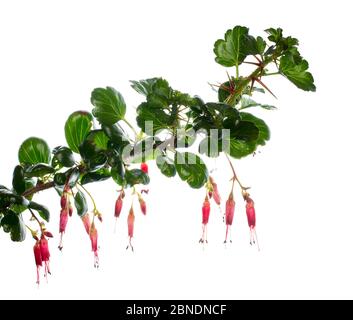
[247, 102]
[60, 179]
[275, 35]
[191, 169]
[34, 150]
[18, 180]
[63, 157]
[13, 223]
[7, 198]
[260, 45]
[245, 131]
[30, 183]
[210, 146]
[264, 131]
[38, 170]
[42, 210]
[235, 47]
[109, 105]
[77, 126]
[166, 165]
[118, 173]
[17, 208]
[143, 87]
[239, 148]
[92, 153]
[117, 136]
[185, 137]
[143, 151]
[100, 175]
[294, 68]
[100, 139]
[81, 203]
[148, 112]
[73, 176]
[216, 116]
[136, 176]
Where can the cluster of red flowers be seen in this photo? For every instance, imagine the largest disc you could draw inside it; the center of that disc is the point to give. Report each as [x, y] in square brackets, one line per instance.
[212, 192]
[41, 253]
[41, 248]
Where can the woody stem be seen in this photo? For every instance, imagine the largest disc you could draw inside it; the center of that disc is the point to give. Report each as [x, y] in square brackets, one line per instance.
[38, 188]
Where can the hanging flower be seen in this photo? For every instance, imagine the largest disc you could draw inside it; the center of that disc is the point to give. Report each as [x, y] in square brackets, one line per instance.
[37, 258]
[93, 234]
[119, 204]
[130, 227]
[206, 208]
[66, 211]
[45, 254]
[230, 206]
[215, 193]
[142, 203]
[86, 222]
[251, 216]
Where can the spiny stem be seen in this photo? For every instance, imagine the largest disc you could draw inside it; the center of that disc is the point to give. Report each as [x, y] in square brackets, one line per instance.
[235, 178]
[253, 63]
[255, 56]
[259, 81]
[271, 74]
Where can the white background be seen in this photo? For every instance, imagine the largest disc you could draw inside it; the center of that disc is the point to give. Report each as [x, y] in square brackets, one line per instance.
[53, 53]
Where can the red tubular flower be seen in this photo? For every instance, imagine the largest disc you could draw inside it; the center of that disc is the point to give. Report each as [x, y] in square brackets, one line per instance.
[118, 206]
[37, 258]
[206, 208]
[71, 209]
[93, 234]
[250, 213]
[215, 192]
[45, 254]
[143, 206]
[66, 211]
[230, 206]
[63, 200]
[130, 227]
[144, 167]
[64, 217]
[86, 222]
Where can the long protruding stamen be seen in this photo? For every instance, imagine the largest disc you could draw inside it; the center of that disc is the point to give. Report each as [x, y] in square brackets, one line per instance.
[96, 260]
[130, 245]
[257, 241]
[38, 277]
[227, 230]
[61, 243]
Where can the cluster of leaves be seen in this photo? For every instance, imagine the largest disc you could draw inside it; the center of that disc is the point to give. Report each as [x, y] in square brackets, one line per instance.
[96, 150]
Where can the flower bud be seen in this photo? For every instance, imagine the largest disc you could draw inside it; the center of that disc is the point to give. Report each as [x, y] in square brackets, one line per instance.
[144, 167]
[143, 206]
